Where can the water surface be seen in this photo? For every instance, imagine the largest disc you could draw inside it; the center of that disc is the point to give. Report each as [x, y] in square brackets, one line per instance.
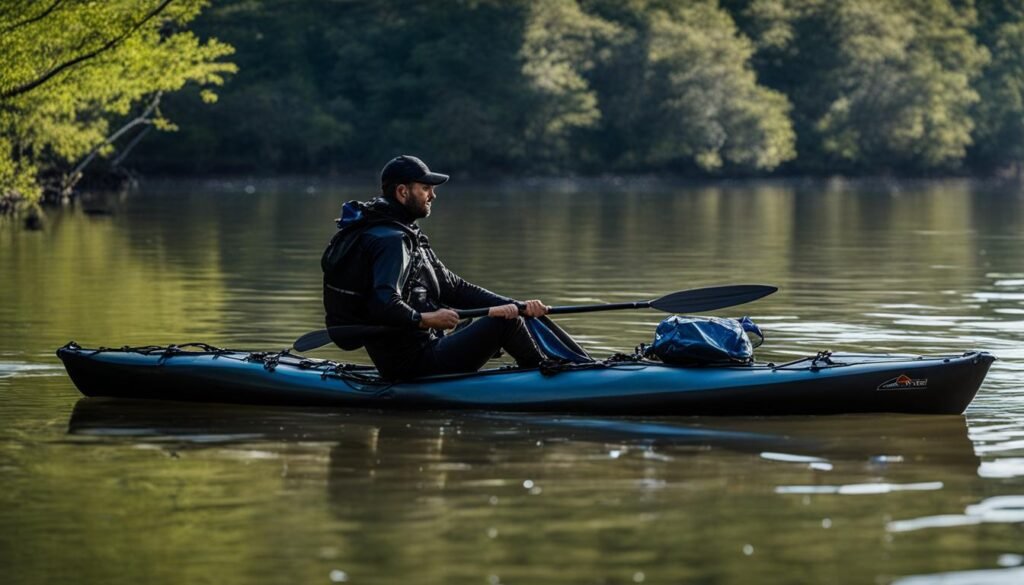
[104, 491]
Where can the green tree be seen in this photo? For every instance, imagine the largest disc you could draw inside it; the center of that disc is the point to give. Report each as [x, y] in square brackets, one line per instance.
[490, 85]
[999, 136]
[678, 92]
[281, 111]
[341, 86]
[74, 67]
[878, 85]
[494, 84]
[728, 87]
[558, 50]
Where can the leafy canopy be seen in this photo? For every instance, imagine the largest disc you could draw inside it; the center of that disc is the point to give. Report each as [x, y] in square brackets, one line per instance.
[549, 86]
[876, 85]
[72, 67]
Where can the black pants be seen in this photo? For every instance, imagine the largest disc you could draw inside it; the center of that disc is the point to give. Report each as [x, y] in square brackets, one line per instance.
[468, 349]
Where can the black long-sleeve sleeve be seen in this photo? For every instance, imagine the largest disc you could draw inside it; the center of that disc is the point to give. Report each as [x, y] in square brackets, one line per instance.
[390, 265]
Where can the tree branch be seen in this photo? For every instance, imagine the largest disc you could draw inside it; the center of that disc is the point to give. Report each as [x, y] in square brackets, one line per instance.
[105, 47]
[144, 118]
[35, 18]
[116, 163]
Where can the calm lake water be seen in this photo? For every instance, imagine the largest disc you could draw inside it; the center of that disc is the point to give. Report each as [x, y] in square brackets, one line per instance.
[111, 492]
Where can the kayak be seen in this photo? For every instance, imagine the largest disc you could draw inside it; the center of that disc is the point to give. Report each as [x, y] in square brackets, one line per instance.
[823, 384]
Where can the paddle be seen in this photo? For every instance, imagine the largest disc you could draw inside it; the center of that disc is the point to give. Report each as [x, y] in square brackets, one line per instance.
[696, 300]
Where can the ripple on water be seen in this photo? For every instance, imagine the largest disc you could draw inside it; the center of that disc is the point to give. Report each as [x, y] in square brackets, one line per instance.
[998, 296]
[859, 489]
[11, 369]
[993, 325]
[816, 463]
[995, 510]
[983, 577]
[1000, 447]
[1002, 468]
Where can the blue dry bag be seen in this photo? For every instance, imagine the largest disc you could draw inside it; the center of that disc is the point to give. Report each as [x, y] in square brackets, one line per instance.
[704, 340]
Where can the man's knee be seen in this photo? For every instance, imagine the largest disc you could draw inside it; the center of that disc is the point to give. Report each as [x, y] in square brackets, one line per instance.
[508, 326]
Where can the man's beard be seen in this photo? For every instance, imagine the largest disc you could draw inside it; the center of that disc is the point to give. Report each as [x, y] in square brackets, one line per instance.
[416, 210]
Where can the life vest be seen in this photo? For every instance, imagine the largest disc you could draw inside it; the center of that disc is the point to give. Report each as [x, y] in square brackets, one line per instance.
[348, 278]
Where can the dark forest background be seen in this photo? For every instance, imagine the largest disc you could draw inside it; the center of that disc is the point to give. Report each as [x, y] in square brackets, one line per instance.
[735, 87]
[93, 93]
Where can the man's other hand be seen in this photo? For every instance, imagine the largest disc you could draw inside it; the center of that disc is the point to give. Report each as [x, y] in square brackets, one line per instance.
[439, 319]
[534, 308]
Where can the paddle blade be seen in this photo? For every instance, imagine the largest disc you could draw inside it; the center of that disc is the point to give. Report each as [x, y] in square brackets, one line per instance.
[312, 340]
[342, 334]
[698, 300]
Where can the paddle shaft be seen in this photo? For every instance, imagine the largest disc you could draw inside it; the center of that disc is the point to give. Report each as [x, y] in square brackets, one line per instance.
[565, 310]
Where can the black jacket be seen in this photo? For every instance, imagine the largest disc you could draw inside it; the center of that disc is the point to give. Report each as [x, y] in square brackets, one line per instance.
[379, 269]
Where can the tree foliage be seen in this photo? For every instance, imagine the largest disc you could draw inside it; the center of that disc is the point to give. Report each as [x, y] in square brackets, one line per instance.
[702, 87]
[74, 67]
[488, 85]
[679, 92]
[878, 85]
[1000, 111]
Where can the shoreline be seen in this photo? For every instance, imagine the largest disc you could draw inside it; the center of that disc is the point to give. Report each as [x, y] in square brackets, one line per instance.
[568, 184]
[366, 183]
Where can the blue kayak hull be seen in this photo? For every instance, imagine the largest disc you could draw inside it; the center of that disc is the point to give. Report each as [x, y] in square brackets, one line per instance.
[840, 384]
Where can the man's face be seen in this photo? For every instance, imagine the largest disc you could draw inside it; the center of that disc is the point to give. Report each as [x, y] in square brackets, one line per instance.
[418, 198]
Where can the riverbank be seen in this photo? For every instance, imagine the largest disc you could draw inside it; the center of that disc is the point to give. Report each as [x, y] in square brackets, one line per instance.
[569, 184]
[100, 198]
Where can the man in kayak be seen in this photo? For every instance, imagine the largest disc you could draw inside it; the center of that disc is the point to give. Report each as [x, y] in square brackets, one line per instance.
[379, 269]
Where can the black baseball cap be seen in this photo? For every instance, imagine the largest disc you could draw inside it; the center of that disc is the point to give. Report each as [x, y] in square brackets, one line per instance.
[409, 169]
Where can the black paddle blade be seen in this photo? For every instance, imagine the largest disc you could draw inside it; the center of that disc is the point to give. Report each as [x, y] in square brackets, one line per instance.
[312, 340]
[342, 333]
[698, 300]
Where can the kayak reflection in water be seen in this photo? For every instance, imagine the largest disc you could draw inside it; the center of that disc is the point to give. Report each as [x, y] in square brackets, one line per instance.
[379, 269]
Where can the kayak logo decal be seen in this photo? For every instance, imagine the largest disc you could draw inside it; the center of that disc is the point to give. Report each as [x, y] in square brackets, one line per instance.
[903, 382]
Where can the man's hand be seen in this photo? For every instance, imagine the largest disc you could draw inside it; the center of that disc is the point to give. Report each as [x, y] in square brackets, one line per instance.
[534, 308]
[439, 319]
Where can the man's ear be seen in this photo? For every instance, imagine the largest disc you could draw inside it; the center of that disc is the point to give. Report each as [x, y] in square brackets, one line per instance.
[401, 193]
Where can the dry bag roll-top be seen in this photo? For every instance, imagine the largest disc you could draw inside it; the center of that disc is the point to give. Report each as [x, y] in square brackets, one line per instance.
[692, 341]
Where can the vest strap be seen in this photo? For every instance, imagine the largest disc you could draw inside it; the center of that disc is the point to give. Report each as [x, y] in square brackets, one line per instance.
[342, 291]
